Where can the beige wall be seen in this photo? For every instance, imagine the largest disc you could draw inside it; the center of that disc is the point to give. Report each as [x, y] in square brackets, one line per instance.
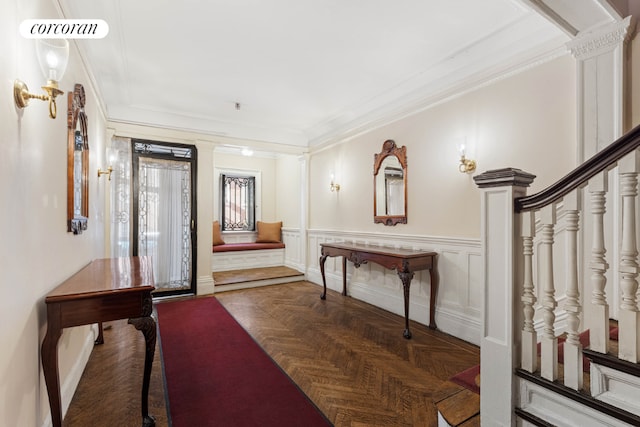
[525, 121]
[37, 253]
[288, 190]
[267, 168]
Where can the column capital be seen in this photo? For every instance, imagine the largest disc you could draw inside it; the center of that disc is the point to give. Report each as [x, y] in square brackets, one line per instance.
[505, 177]
[601, 40]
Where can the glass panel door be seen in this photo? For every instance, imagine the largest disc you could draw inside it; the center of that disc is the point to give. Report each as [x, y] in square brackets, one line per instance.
[164, 212]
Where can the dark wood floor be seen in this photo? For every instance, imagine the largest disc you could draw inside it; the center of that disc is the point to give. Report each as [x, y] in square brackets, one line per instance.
[349, 357]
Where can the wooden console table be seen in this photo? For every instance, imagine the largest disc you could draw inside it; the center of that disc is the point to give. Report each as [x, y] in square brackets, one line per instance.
[104, 290]
[404, 261]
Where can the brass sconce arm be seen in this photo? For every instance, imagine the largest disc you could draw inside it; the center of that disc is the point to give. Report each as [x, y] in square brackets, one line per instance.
[21, 95]
[105, 172]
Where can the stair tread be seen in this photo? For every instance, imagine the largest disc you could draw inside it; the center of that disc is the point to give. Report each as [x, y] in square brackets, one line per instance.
[458, 405]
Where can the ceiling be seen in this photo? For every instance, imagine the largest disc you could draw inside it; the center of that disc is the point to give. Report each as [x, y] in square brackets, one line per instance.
[301, 72]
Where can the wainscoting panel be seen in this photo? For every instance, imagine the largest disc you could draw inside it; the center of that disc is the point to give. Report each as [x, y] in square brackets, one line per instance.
[458, 307]
[293, 249]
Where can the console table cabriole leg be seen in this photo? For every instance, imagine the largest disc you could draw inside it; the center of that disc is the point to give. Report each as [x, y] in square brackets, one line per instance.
[49, 352]
[406, 277]
[323, 258]
[434, 293]
[147, 325]
[344, 276]
[100, 339]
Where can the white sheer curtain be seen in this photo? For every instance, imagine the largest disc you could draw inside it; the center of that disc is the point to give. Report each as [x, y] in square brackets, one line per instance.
[121, 197]
[164, 219]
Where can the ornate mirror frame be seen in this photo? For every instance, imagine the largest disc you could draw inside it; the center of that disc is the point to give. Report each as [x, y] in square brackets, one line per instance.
[77, 162]
[389, 149]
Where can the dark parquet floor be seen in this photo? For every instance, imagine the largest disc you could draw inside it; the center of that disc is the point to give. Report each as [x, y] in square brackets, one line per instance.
[349, 357]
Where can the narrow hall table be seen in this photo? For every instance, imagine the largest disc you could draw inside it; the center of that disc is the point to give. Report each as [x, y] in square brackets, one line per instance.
[405, 261]
[104, 290]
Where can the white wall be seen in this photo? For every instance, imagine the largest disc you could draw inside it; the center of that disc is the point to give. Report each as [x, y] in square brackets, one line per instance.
[37, 253]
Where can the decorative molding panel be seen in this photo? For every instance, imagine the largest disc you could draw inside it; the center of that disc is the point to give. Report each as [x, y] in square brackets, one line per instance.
[559, 410]
[238, 260]
[292, 239]
[616, 388]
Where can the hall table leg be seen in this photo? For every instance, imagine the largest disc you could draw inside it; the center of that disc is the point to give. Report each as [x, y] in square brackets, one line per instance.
[49, 352]
[147, 325]
[406, 277]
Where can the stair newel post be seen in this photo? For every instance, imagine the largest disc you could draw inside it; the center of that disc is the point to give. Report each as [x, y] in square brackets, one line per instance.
[529, 336]
[549, 341]
[598, 322]
[502, 311]
[573, 364]
[629, 317]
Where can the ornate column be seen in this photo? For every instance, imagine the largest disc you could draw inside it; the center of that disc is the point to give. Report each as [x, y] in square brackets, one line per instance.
[502, 310]
[600, 60]
[600, 56]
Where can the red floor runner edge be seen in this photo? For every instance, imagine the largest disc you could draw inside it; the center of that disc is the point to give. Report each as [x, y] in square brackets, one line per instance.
[217, 375]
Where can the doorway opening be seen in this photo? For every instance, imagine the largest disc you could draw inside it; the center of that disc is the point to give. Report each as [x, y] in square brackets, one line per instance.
[164, 213]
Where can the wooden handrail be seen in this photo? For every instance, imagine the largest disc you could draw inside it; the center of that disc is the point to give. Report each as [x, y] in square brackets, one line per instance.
[605, 159]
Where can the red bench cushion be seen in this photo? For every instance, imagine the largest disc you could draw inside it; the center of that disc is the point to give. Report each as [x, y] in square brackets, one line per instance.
[229, 247]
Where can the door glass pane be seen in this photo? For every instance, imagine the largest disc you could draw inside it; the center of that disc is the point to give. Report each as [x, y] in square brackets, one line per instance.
[164, 220]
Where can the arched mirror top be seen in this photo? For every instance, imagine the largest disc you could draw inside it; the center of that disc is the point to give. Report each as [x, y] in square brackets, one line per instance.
[390, 184]
[77, 162]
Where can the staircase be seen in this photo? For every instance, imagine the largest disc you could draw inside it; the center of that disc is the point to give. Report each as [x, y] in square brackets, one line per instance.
[559, 263]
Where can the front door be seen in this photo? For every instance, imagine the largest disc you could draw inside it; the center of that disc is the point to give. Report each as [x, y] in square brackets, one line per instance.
[164, 210]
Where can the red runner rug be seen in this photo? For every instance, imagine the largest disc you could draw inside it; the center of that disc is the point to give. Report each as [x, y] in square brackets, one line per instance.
[217, 375]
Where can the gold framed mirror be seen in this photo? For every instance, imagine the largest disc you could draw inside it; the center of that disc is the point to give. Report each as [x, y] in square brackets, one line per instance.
[390, 184]
[77, 162]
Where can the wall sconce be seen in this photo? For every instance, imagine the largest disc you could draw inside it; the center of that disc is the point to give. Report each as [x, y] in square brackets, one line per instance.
[106, 172]
[466, 165]
[333, 186]
[53, 55]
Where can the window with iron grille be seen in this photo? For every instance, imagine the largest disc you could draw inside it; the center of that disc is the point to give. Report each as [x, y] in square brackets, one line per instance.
[239, 201]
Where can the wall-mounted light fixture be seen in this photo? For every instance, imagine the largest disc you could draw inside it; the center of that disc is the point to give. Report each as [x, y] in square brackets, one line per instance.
[53, 55]
[333, 186]
[105, 172]
[465, 165]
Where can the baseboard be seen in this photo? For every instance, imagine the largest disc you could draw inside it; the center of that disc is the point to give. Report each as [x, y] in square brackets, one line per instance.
[205, 285]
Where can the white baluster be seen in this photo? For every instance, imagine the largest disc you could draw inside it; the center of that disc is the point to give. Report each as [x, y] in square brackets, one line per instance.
[629, 317]
[573, 376]
[598, 322]
[529, 336]
[549, 342]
